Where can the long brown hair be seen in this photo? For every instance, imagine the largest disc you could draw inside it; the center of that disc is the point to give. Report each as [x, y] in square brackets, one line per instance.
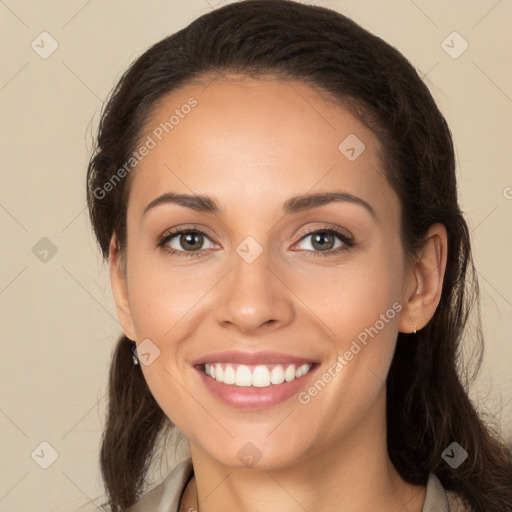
[427, 386]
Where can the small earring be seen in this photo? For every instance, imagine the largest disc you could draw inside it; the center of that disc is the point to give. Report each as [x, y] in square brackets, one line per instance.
[134, 354]
[414, 329]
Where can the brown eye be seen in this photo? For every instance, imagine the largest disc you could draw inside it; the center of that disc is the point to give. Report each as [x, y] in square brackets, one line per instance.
[184, 242]
[326, 242]
[192, 241]
[323, 241]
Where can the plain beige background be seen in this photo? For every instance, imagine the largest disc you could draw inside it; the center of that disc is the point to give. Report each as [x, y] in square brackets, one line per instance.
[58, 321]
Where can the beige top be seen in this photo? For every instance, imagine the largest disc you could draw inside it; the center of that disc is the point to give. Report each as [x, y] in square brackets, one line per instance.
[166, 496]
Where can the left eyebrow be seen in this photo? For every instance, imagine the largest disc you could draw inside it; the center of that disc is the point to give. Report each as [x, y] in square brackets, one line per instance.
[307, 202]
[295, 204]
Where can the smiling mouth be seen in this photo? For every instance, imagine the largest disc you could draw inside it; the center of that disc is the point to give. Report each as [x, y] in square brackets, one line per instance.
[259, 376]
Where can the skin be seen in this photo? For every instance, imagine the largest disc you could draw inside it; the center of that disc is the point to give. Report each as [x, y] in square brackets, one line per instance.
[282, 139]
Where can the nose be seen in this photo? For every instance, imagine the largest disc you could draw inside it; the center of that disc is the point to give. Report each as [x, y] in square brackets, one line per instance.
[253, 297]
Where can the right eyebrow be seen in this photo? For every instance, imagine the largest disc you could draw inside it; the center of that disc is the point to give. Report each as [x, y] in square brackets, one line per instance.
[195, 202]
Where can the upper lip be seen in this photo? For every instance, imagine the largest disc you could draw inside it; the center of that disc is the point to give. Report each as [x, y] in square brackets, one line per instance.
[250, 358]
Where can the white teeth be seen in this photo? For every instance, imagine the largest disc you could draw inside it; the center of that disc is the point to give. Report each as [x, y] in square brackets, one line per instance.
[218, 372]
[289, 373]
[259, 376]
[302, 370]
[277, 375]
[243, 376]
[229, 375]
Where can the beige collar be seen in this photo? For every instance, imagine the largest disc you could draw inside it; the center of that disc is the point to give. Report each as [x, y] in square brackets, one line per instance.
[166, 496]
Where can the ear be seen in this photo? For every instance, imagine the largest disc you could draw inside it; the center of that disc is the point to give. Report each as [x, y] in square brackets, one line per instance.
[425, 281]
[120, 289]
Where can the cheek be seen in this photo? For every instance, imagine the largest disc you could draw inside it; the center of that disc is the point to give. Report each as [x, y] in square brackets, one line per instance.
[161, 296]
[360, 308]
[354, 296]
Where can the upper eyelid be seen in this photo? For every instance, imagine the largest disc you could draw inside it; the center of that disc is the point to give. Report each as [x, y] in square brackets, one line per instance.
[310, 231]
[337, 230]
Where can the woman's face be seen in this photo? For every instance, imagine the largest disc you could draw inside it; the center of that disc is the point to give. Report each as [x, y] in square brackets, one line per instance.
[258, 290]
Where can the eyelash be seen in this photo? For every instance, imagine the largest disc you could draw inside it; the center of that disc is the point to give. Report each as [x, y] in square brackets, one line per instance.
[347, 241]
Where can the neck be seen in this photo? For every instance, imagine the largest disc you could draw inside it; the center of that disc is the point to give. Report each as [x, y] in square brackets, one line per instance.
[354, 474]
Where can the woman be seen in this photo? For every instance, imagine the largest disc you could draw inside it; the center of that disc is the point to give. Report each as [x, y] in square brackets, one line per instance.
[274, 189]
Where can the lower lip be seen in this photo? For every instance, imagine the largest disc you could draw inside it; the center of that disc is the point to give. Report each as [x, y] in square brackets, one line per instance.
[250, 397]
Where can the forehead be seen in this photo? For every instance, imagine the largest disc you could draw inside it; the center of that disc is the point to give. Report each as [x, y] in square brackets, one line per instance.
[259, 140]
